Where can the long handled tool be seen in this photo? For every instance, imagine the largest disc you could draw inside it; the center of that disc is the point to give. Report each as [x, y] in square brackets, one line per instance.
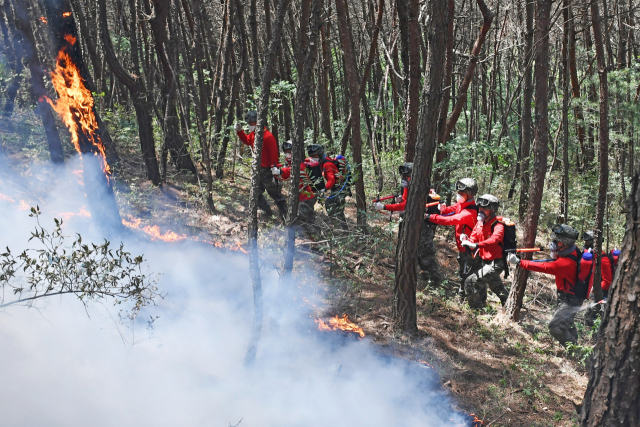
[233, 167]
[521, 250]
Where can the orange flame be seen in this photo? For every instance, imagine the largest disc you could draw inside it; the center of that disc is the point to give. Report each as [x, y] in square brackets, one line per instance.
[476, 422]
[75, 103]
[43, 19]
[340, 323]
[6, 198]
[70, 39]
[66, 15]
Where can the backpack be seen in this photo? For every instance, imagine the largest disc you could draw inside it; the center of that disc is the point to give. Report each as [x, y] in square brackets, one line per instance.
[314, 175]
[581, 287]
[613, 264]
[509, 241]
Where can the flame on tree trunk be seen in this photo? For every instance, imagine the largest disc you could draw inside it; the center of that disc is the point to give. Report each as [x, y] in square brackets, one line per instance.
[75, 106]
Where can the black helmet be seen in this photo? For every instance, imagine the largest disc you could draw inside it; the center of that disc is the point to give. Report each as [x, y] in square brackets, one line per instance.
[405, 169]
[251, 116]
[314, 149]
[488, 201]
[287, 146]
[468, 185]
[587, 236]
[563, 232]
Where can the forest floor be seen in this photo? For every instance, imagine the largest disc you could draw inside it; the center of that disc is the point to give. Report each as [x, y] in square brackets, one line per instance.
[507, 374]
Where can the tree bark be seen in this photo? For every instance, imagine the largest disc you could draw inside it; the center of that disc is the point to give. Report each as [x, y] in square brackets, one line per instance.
[613, 392]
[268, 70]
[352, 82]
[541, 148]
[406, 275]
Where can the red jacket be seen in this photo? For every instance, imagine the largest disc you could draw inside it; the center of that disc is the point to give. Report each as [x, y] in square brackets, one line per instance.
[399, 207]
[464, 219]
[330, 172]
[270, 154]
[489, 241]
[606, 271]
[306, 192]
[564, 268]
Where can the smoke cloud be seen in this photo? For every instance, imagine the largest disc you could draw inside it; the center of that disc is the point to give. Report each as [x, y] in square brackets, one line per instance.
[181, 362]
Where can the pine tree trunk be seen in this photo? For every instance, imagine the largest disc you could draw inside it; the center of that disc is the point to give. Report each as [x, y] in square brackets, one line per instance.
[613, 392]
[527, 122]
[541, 148]
[406, 274]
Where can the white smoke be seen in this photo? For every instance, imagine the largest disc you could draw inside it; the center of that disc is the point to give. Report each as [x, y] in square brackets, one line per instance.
[64, 365]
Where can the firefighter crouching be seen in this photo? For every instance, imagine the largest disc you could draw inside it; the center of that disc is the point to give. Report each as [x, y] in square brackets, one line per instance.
[269, 157]
[463, 215]
[572, 291]
[487, 239]
[428, 267]
[307, 197]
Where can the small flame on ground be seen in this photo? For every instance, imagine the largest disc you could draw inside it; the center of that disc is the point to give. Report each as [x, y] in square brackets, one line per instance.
[476, 422]
[6, 198]
[339, 323]
[75, 103]
[23, 206]
[43, 19]
[66, 15]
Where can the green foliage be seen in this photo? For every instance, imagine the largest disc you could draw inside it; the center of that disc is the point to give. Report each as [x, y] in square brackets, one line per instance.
[88, 271]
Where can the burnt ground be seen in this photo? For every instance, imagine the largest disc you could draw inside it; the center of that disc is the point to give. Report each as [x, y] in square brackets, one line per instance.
[508, 374]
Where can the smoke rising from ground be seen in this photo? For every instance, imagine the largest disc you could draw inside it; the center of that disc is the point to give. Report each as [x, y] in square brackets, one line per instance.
[64, 365]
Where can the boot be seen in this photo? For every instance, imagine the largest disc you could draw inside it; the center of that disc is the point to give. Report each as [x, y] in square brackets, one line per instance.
[282, 209]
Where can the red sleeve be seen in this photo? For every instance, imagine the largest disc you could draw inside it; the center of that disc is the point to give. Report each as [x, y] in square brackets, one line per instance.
[398, 207]
[245, 139]
[270, 155]
[285, 173]
[447, 210]
[457, 219]
[496, 237]
[330, 171]
[476, 234]
[548, 267]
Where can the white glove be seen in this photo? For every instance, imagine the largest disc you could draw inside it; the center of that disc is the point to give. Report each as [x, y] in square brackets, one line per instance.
[378, 206]
[513, 259]
[237, 127]
[275, 171]
[469, 244]
[463, 237]
[322, 192]
[399, 199]
[441, 206]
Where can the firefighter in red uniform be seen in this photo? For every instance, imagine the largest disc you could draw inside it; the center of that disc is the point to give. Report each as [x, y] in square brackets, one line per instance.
[571, 290]
[336, 183]
[307, 196]
[428, 267]
[463, 215]
[606, 266]
[486, 238]
[269, 158]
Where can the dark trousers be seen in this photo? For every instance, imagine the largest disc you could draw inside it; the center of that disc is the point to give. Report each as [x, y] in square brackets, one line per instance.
[268, 183]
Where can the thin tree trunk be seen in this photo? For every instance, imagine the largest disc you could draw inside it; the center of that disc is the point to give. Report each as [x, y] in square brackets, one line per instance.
[253, 27]
[268, 71]
[516, 294]
[527, 122]
[404, 292]
[603, 136]
[352, 81]
[566, 76]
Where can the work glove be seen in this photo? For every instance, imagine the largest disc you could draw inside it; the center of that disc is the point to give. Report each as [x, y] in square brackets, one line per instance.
[322, 192]
[237, 127]
[469, 244]
[399, 199]
[378, 206]
[513, 259]
[275, 171]
[463, 237]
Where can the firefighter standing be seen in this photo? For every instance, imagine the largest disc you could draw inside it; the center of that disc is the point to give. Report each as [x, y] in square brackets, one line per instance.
[463, 215]
[429, 270]
[571, 290]
[269, 158]
[486, 238]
